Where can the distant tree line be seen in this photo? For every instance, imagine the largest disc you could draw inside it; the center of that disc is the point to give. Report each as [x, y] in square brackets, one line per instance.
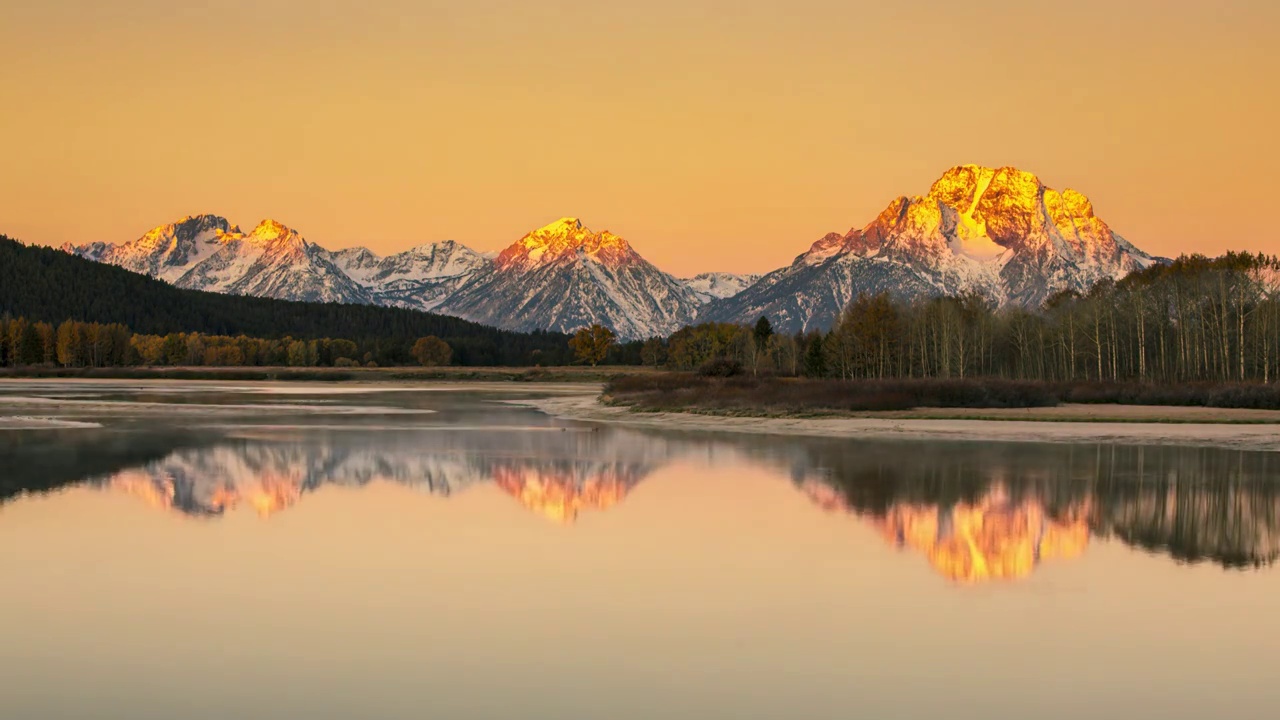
[1195, 319]
[47, 286]
[75, 344]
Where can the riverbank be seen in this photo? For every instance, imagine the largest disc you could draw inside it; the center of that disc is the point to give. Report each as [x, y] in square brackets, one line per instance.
[566, 374]
[27, 422]
[85, 403]
[1118, 424]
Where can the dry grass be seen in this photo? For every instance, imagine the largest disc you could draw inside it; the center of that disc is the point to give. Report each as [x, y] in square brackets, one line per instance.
[773, 395]
[657, 392]
[1258, 396]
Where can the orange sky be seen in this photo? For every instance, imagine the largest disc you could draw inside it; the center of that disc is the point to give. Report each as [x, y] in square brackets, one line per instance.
[712, 134]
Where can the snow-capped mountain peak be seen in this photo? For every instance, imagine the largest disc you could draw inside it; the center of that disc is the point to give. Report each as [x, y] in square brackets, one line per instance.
[563, 226]
[359, 263]
[718, 285]
[189, 229]
[443, 249]
[273, 231]
[444, 259]
[166, 251]
[419, 278]
[206, 252]
[272, 261]
[1000, 232]
[566, 238]
[565, 276]
[976, 220]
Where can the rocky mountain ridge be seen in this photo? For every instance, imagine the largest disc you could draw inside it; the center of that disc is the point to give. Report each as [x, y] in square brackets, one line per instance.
[999, 232]
[565, 276]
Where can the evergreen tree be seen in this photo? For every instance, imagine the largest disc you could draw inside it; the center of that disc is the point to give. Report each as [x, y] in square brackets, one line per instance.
[31, 345]
[762, 332]
[815, 358]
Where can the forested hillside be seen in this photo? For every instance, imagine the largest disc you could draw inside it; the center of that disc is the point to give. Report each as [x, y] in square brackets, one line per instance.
[46, 285]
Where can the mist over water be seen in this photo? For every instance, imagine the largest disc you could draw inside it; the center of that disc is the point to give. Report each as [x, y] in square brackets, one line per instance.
[482, 560]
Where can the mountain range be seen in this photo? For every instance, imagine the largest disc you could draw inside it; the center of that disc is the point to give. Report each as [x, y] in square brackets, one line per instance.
[43, 284]
[997, 232]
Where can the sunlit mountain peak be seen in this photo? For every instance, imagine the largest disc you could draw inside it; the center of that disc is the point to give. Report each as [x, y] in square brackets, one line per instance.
[563, 225]
[997, 232]
[270, 230]
[564, 240]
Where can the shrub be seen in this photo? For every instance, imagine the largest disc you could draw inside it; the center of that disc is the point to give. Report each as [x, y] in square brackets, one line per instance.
[720, 367]
[774, 394]
[707, 390]
[1255, 396]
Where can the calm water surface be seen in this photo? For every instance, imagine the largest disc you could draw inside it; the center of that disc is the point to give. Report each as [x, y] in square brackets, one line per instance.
[295, 553]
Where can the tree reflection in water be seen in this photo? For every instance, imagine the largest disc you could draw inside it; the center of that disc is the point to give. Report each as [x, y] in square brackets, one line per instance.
[982, 512]
[976, 511]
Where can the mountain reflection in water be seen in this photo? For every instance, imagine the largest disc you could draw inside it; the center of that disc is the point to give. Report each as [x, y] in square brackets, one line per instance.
[991, 538]
[555, 474]
[974, 512]
[998, 511]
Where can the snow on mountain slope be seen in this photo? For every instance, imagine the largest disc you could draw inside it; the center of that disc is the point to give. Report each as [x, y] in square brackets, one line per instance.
[166, 252]
[718, 285]
[997, 232]
[89, 251]
[273, 261]
[1000, 233]
[358, 263]
[420, 278]
[206, 252]
[564, 276]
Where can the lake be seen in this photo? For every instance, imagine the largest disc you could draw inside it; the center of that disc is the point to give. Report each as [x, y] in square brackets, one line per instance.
[209, 551]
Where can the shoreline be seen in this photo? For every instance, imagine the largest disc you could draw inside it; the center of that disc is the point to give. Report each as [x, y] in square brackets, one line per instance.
[515, 375]
[29, 404]
[266, 386]
[1259, 436]
[28, 422]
